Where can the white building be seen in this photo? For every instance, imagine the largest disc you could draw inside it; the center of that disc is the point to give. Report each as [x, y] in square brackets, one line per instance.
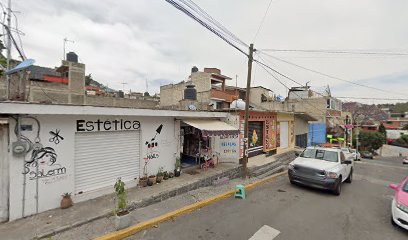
[83, 150]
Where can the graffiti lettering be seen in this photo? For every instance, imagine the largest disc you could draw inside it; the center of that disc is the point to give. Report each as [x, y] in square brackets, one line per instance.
[43, 174]
[107, 125]
[228, 144]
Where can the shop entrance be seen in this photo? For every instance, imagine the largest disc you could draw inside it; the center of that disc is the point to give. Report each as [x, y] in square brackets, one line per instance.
[200, 141]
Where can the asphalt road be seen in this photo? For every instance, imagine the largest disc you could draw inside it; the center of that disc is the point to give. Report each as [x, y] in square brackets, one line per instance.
[362, 211]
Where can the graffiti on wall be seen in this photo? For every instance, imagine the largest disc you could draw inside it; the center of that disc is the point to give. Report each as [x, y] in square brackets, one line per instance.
[42, 164]
[152, 148]
[229, 145]
[55, 136]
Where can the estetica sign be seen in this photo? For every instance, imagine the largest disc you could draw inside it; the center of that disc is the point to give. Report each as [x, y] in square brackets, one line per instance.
[106, 125]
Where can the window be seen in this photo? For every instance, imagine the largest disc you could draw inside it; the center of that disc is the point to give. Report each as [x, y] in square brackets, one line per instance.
[321, 154]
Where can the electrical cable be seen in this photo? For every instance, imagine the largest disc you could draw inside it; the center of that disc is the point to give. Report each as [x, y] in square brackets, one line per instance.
[337, 52]
[262, 21]
[206, 25]
[330, 76]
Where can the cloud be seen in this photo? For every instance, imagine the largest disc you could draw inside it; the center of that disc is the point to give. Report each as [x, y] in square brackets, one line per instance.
[129, 41]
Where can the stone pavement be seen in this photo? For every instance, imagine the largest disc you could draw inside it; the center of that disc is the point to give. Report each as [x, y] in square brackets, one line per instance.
[99, 210]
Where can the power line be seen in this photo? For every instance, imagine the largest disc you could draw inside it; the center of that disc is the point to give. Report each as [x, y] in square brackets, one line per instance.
[337, 52]
[369, 98]
[219, 32]
[262, 21]
[330, 76]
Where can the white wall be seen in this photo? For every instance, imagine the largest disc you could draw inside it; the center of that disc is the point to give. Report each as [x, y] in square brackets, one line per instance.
[51, 187]
[227, 147]
[4, 174]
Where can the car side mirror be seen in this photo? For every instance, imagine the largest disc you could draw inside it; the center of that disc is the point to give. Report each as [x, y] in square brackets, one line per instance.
[297, 154]
[346, 162]
[393, 186]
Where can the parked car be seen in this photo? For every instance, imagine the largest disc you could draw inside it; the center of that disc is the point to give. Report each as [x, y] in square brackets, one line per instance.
[356, 155]
[324, 168]
[348, 153]
[367, 154]
[405, 160]
[399, 204]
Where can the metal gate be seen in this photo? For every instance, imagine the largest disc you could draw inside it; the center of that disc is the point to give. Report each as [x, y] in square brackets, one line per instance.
[102, 157]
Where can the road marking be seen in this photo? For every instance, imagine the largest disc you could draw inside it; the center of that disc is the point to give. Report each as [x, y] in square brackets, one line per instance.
[265, 233]
[382, 165]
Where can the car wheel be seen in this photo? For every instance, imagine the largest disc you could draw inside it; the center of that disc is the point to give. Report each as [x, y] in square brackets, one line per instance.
[392, 221]
[337, 190]
[350, 177]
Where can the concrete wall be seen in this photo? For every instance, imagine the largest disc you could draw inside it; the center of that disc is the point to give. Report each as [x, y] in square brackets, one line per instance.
[51, 187]
[202, 81]
[301, 126]
[171, 94]
[4, 173]
[316, 107]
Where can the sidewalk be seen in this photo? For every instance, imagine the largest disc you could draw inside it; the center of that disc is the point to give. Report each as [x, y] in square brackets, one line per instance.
[56, 221]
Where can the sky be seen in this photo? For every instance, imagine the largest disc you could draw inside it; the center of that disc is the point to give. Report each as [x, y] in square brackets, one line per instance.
[149, 41]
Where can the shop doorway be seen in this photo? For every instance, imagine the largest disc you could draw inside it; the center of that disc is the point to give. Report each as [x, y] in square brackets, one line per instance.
[284, 134]
[255, 136]
[102, 157]
[203, 140]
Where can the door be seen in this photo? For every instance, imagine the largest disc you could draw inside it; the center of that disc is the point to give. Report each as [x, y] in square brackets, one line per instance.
[284, 134]
[102, 157]
[4, 173]
[255, 136]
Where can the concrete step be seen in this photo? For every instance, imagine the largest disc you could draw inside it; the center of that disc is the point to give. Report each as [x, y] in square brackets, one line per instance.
[266, 168]
[271, 172]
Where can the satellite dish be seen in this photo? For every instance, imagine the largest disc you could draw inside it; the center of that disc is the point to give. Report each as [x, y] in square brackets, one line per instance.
[192, 107]
[23, 65]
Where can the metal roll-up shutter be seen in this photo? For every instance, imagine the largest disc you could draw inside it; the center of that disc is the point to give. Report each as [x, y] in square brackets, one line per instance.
[102, 157]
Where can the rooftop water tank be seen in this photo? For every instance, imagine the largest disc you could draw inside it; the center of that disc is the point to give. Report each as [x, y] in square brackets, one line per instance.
[72, 57]
[238, 104]
[190, 92]
[194, 69]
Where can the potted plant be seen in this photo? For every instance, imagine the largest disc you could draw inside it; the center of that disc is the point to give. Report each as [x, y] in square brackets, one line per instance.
[171, 174]
[122, 217]
[165, 175]
[177, 171]
[66, 201]
[159, 175]
[152, 180]
[143, 181]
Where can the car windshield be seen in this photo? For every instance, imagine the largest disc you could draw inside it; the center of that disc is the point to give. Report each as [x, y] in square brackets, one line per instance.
[321, 154]
[345, 149]
[405, 188]
[353, 150]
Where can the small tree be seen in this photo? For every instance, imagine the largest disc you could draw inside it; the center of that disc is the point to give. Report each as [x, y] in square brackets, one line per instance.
[371, 140]
[382, 130]
[121, 194]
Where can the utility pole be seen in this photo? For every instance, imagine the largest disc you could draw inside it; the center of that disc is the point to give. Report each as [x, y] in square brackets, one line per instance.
[248, 88]
[8, 48]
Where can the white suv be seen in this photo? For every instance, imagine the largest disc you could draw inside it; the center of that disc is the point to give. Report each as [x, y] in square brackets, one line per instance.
[325, 168]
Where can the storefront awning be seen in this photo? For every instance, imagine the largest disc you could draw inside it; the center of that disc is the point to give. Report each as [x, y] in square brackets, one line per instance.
[212, 127]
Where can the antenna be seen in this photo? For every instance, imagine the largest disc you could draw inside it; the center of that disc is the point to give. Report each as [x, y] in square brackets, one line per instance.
[123, 85]
[147, 85]
[64, 43]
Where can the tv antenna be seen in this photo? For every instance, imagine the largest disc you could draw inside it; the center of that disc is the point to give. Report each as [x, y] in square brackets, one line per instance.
[123, 85]
[64, 44]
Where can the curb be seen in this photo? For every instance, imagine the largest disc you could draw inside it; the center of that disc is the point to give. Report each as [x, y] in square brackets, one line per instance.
[171, 215]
